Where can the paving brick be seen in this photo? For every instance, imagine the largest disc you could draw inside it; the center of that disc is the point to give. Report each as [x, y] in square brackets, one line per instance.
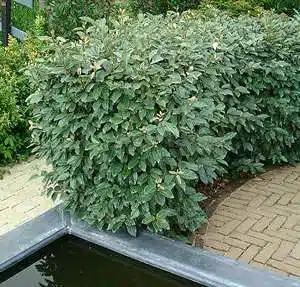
[290, 187]
[295, 208]
[217, 245]
[235, 200]
[217, 223]
[283, 251]
[228, 212]
[265, 254]
[236, 242]
[220, 218]
[297, 228]
[26, 206]
[292, 261]
[234, 252]
[282, 188]
[291, 221]
[262, 224]
[290, 232]
[286, 198]
[262, 212]
[249, 254]
[246, 225]
[259, 191]
[233, 205]
[257, 201]
[296, 199]
[278, 210]
[277, 223]
[268, 191]
[249, 239]
[292, 177]
[264, 236]
[283, 234]
[296, 251]
[290, 269]
[214, 236]
[288, 209]
[243, 195]
[229, 227]
[272, 199]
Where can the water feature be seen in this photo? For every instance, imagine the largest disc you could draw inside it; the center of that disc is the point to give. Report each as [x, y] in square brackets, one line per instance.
[72, 262]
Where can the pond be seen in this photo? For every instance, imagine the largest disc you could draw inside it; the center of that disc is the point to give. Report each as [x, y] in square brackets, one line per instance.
[72, 262]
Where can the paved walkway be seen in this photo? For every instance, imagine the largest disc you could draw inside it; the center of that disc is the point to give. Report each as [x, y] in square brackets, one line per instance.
[20, 195]
[260, 222]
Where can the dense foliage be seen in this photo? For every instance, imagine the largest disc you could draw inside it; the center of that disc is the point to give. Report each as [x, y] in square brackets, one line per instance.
[281, 6]
[64, 16]
[14, 132]
[14, 89]
[24, 17]
[162, 6]
[234, 7]
[132, 117]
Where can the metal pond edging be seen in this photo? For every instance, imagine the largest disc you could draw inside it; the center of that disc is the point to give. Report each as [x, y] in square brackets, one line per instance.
[170, 255]
[33, 235]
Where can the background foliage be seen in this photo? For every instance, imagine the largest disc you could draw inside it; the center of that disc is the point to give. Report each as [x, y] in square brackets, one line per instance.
[14, 89]
[281, 6]
[14, 133]
[132, 117]
[162, 6]
[233, 7]
[64, 16]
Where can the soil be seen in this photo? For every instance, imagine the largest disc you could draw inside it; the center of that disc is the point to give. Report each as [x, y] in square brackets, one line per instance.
[215, 193]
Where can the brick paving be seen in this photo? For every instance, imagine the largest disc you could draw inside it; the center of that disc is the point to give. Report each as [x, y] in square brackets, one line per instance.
[259, 223]
[20, 195]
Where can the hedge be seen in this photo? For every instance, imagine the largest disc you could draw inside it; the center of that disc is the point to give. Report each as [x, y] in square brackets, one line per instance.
[233, 7]
[133, 117]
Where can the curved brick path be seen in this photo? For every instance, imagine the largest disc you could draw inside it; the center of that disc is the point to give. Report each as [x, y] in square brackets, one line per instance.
[260, 222]
[20, 195]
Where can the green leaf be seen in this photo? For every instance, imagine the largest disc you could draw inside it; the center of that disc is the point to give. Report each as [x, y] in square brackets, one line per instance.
[148, 192]
[172, 128]
[167, 193]
[189, 174]
[162, 224]
[133, 163]
[148, 219]
[131, 229]
[166, 213]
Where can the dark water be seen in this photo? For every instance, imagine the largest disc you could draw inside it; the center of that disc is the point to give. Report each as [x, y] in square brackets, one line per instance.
[71, 262]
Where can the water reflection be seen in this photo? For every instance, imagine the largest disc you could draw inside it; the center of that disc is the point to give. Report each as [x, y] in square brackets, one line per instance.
[74, 263]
